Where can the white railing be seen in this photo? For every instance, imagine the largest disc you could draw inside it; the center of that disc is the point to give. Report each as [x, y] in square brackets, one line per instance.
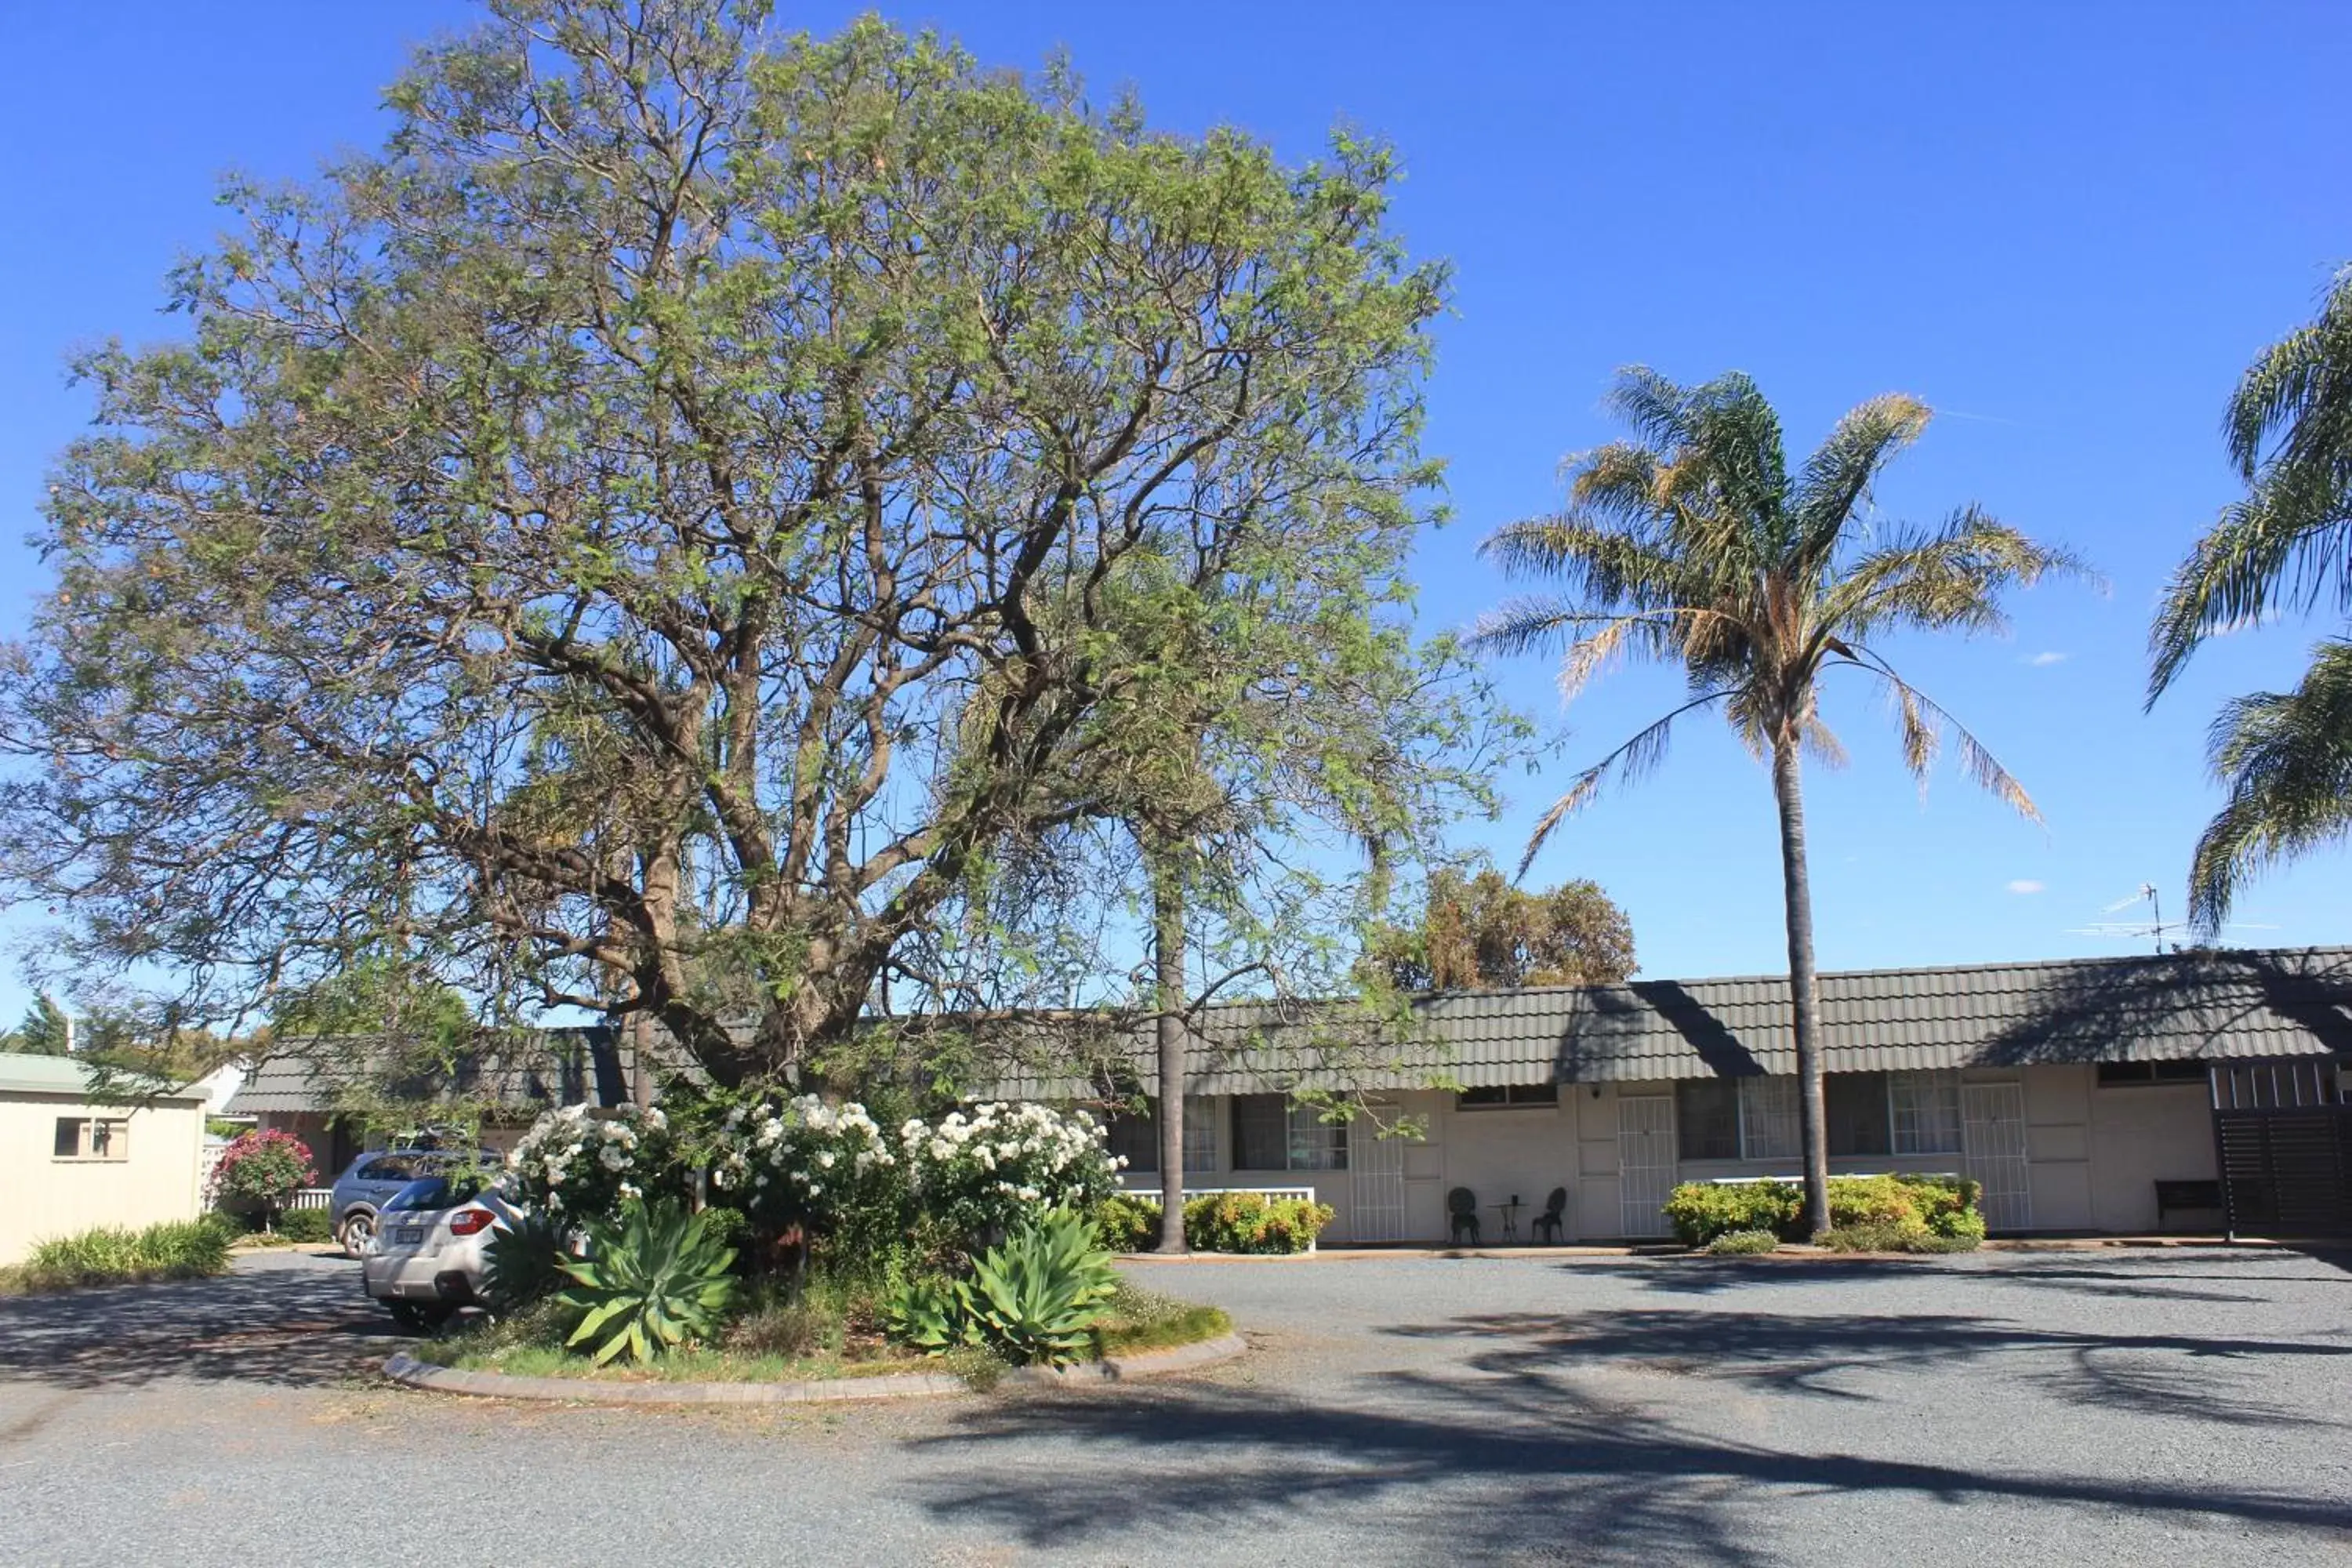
[311, 1198]
[1151, 1194]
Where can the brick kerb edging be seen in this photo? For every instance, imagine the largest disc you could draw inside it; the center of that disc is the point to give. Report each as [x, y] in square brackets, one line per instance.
[404, 1368]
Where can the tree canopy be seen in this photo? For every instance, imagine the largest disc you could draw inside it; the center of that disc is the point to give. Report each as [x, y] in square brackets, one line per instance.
[2284, 758]
[1483, 934]
[671, 513]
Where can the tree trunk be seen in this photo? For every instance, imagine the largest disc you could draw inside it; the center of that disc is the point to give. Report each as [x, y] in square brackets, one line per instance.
[1168, 987]
[641, 1066]
[1804, 987]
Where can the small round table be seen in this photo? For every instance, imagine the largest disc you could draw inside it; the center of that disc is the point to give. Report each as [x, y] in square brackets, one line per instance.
[1510, 1212]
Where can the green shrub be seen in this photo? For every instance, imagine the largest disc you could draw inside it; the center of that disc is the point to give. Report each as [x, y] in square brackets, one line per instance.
[305, 1226]
[115, 1255]
[1701, 1211]
[1135, 1320]
[654, 1280]
[1036, 1297]
[1128, 1223]
[1738, 1243]
[1252, 1222]
[1957, 1230]
[928, 1313]
[524, 1263]
[1876, 1236]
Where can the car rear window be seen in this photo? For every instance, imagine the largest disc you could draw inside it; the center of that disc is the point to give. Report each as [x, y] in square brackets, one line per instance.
[431, 1193]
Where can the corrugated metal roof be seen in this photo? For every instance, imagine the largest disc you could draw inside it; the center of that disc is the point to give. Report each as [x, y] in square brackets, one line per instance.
[24, 1074]
[2195, 1005]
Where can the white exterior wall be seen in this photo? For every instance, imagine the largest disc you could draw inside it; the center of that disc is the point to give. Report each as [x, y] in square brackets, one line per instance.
[47, 1196]
[2093, 1156]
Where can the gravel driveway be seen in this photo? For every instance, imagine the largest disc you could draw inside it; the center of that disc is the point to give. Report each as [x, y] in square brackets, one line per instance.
[2151, 1407]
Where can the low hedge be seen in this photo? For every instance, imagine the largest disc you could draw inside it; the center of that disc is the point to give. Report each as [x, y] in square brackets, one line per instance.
[1215, 1222]
[1933, 1206]
[112, 1254]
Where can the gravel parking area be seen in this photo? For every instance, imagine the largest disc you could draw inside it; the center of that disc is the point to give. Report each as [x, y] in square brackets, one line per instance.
[2170, 1406]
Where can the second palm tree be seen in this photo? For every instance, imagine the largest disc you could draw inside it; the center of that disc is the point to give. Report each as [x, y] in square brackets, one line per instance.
[1693, 543]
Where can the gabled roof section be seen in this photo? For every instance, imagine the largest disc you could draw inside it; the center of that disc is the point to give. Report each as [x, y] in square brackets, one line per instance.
[26, 1074]
[2269, 1003]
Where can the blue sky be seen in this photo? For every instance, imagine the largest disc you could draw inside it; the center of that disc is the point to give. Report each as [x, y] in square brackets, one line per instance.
[2066, 227]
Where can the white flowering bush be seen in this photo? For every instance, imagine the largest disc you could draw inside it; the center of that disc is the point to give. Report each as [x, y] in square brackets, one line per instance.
[802, 1162]
[579, 1166]
[979, 1175]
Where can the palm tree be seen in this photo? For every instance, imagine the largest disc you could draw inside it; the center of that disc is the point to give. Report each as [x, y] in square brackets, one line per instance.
[2285, 757]
[1693, 544]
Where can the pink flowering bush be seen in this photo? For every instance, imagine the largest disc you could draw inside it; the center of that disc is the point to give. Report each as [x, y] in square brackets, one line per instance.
[263, 1170]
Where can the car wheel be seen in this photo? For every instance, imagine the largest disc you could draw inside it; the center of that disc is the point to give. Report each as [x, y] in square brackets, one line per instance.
[358, 1232]
[418, 1317]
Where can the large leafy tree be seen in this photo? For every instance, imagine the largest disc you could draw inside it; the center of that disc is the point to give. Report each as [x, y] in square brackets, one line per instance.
[46, 1031]
[1481, 932]
[661, 518]
[2284, 758]
[1694, 544]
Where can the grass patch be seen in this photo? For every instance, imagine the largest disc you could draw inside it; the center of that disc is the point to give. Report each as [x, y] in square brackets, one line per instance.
[1137, 1319]
[825, 1331]
[115, 1255]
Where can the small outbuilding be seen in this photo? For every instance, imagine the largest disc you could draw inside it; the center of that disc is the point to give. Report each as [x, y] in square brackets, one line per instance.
[74, 1154]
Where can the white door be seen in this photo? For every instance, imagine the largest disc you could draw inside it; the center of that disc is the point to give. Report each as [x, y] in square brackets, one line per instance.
[1993, 1119]
[1646, 1161]
[1376, 1187]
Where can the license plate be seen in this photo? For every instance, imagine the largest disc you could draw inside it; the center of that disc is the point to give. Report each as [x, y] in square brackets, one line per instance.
[407, 1235]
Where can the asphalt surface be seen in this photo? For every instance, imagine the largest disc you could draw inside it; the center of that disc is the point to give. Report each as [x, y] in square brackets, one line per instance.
[2154, 1408]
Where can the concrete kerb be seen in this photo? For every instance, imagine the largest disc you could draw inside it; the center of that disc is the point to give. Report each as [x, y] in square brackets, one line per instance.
[404, 1368]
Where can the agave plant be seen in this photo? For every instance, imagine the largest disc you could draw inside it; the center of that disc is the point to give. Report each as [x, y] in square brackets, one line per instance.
[930, 1314]
[524, 1263]
[650, 1282]
[1037, 1297]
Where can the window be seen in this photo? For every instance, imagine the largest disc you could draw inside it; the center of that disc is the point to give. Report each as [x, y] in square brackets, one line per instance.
[1272, 1134]
[95, 1139]
[1507, 1095]
[1316, 1144]
[1200, 1133]
[1136, 1136]
[1925, 1107]
[1706, 1117]
[1857, 1113]
[2139, 1075]
[1768, 1118]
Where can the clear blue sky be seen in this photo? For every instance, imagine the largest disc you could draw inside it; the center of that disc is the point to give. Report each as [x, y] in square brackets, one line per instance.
[2067, 227]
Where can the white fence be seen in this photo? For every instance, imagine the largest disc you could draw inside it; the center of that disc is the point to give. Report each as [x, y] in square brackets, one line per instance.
[311, 1198]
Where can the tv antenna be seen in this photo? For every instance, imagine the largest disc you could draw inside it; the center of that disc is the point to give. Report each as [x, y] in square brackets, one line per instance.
[2164, 933]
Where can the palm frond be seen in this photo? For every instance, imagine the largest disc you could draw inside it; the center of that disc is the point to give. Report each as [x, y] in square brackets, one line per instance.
[1947, 580]
[1630, 760]
[2302, 384]
[2283, 548]
[1837, 478]
[1603, 567]
[1924, 722]
[2286, 758]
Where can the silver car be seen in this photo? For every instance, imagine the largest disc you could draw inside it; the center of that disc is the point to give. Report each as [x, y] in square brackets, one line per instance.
[426, 1259]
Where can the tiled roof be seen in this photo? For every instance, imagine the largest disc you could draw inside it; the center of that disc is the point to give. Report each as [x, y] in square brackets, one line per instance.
[2194, 1005]
[561, 1067]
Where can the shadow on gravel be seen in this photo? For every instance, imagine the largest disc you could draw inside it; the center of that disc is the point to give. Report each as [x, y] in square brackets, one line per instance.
[1525, 1467]
[2154, 1275]
[288, 1324]
[2183, 1374]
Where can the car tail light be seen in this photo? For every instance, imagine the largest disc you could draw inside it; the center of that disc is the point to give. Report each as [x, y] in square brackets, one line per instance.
[466, 1222]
